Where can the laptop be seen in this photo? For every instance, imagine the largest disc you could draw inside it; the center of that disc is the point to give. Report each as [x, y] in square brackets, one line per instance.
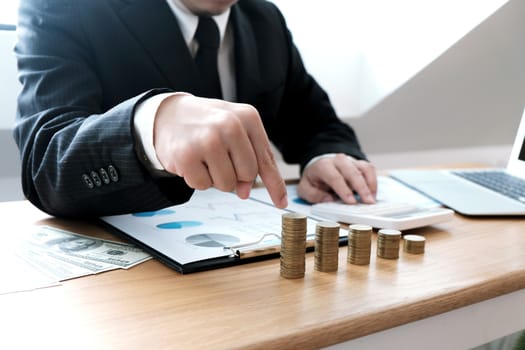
[476, 192]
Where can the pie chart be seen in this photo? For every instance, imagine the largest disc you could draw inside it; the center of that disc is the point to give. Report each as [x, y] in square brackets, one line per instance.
[212, 240]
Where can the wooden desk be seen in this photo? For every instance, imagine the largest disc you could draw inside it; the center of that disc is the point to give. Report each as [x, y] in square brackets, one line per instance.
[251, 307]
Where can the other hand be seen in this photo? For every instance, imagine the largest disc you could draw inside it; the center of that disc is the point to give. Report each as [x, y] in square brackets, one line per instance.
[338, 177]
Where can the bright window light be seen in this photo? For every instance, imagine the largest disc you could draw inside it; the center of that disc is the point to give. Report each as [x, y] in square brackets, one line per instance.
[362, 50]
[8, 11]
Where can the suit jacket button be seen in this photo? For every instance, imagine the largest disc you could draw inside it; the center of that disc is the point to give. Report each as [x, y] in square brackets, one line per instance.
[104, 175]
[113, 174]
[96, 178]
[87, 181]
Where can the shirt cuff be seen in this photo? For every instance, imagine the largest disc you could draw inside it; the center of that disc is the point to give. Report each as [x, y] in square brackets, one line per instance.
[143, 122]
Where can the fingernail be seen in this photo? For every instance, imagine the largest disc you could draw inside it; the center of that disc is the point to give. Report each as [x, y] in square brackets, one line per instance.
[284, 201]
[351, 199]
[327, 199]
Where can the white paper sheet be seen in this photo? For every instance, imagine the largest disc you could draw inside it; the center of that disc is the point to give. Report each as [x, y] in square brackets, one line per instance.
[201, 228]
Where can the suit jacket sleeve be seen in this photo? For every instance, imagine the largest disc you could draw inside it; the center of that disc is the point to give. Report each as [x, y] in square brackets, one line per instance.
[78, 156]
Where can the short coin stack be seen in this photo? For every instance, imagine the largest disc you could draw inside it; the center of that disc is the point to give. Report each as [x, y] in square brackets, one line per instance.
[388, 243]
[414, 244]
[326, 254]
[293, 245]
[359, 244]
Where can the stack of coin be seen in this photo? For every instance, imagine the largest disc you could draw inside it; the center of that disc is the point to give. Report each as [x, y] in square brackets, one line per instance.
[326, 254]
[388, 243]
[414, 244]
[359, 244]
[293, 245]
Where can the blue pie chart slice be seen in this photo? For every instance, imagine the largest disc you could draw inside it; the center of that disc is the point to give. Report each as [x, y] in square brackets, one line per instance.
[174, 225]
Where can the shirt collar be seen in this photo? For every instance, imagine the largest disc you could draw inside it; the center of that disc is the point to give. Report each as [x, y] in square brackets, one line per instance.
[188, 21]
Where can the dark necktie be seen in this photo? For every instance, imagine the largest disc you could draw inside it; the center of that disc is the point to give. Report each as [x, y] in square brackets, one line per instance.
[208, 38]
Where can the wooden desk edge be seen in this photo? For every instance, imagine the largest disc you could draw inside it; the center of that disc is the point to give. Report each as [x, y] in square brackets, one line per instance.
[345, 330]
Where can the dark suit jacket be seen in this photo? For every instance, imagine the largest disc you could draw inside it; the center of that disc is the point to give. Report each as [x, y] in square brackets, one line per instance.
[84, 66]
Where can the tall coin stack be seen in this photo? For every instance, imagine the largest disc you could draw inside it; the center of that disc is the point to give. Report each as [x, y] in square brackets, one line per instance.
[359, 244]
[414, 244]
[388, 243]
[326, 253]
[293, 245]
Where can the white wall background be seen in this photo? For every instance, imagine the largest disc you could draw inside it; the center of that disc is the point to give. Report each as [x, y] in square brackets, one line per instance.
[8, 10]
[362, 50]
[10, 188]
[9, 86]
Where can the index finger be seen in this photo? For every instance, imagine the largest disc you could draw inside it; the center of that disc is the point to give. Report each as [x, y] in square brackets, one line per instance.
[369, 173]
[272, 179]
[267, 167]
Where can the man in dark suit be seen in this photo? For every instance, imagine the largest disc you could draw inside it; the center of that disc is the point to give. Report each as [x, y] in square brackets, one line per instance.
[114, 116]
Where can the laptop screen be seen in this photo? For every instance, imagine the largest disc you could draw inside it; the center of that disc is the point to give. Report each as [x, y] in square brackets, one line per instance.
[522, 152]
[516, 165]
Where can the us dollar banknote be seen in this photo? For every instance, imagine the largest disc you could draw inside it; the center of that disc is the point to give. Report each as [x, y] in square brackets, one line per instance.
[67, 255]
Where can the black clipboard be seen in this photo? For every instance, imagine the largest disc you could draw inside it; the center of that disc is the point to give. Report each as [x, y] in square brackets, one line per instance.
[232, 256]
[237, 257]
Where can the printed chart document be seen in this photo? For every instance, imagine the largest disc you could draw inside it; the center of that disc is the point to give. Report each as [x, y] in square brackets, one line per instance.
[214, 229]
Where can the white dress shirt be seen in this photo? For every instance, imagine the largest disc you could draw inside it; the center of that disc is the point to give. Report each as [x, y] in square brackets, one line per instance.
[145, 114]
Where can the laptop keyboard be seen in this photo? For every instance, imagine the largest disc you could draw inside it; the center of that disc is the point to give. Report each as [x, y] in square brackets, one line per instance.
[499, 181]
